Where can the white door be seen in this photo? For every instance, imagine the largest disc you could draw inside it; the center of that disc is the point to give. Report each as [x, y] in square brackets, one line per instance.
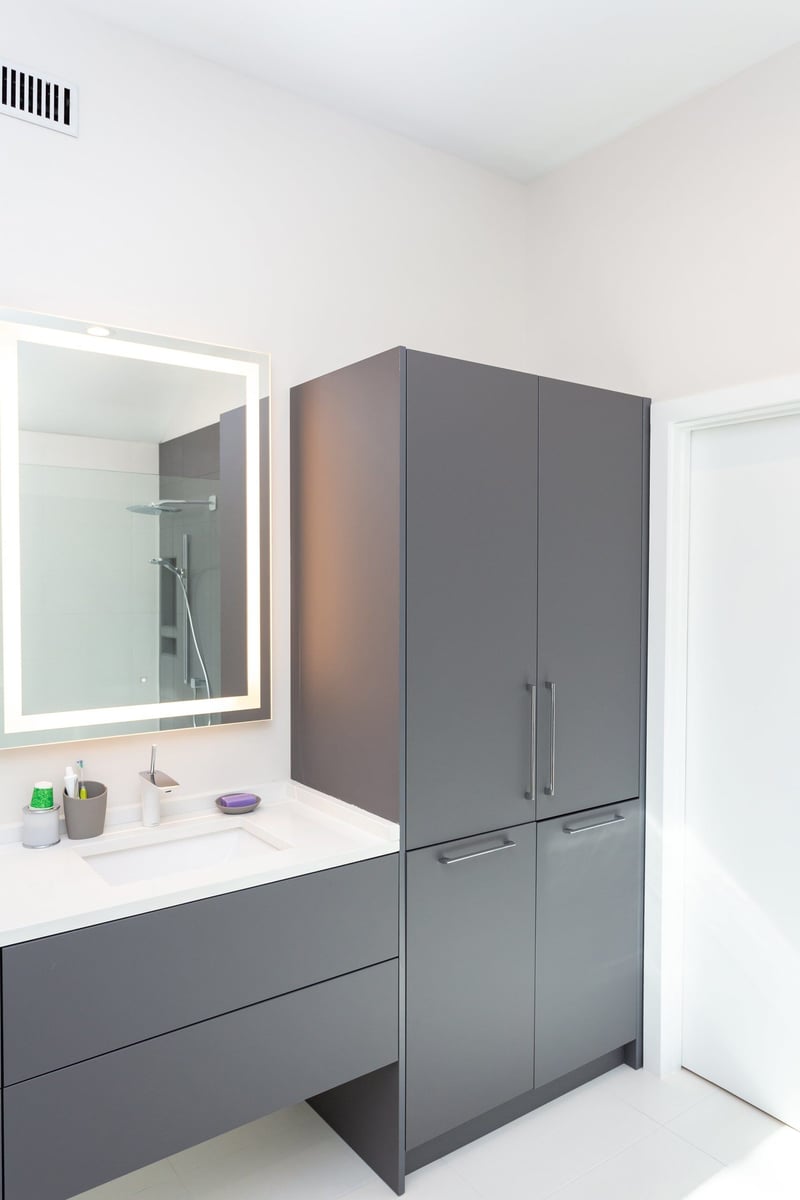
[741, 1014]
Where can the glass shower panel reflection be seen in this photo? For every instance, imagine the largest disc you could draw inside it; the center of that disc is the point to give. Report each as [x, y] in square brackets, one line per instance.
[120, 579]
[89, 595]
[189, 658]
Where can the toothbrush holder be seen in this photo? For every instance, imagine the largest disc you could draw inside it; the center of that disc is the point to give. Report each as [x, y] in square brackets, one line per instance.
[86, 818]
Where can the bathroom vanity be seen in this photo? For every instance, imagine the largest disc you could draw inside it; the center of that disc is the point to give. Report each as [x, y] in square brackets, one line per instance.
[437, 925]
[130, 1035]
[469, 631]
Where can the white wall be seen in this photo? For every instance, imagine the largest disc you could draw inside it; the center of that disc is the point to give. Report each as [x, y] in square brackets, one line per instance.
[202, 205]
[668, 262]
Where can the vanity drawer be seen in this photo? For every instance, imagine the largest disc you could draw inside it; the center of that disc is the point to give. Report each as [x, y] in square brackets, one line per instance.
[76, 995]
[123, 1110]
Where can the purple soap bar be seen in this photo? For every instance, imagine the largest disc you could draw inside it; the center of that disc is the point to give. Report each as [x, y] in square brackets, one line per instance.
[238, 802]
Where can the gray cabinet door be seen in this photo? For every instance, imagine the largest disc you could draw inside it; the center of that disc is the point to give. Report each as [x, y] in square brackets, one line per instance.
[590, 596]
[470, 960]
[471, 596]
[588, 964]
[113, 1114]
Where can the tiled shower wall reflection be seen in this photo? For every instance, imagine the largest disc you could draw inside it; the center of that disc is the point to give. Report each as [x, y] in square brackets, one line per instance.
[190, 470]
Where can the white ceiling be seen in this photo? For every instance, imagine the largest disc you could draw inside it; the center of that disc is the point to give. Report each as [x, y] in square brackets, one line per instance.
[519, 86]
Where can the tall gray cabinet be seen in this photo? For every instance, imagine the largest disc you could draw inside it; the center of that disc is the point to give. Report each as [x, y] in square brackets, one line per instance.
[468, 560]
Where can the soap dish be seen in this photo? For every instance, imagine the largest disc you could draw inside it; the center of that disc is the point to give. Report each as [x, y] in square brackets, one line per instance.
[236, 803]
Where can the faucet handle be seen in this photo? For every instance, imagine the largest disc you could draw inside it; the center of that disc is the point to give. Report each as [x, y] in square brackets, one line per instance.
[160, 780]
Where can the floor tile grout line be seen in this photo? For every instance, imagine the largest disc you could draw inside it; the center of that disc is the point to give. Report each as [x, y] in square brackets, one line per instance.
[554, 1195]
[477, 1192]
[585, 1174]
[688, 1142]
[353, 1191]
[684, 1111]
[664, 1124]
[599, 1163]
[171, 1167]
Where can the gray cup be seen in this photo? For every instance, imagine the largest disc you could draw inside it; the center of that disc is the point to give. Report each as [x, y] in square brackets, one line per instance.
[86, 818]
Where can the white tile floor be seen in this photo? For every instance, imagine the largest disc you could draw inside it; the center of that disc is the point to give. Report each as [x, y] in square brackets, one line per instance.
[627, 1136]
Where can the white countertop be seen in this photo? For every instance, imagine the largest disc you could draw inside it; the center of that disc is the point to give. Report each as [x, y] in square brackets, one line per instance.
[53, 890]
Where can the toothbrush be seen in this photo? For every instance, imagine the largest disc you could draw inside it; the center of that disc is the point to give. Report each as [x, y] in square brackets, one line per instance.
[70, 782]
[82, 792]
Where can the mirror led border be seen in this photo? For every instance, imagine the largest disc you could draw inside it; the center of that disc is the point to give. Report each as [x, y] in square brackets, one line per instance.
[15, 721]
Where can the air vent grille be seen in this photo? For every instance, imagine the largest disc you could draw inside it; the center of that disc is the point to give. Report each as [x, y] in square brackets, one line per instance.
[38, 98]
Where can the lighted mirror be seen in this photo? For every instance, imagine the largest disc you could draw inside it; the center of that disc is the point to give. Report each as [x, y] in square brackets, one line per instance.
[134, 529]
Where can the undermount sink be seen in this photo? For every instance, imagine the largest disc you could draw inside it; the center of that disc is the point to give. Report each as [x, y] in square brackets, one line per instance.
[203, 849]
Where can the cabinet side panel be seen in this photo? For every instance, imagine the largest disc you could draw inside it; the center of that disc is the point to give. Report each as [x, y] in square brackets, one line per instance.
[346, 436]
[366, 1114]
[634, 1052]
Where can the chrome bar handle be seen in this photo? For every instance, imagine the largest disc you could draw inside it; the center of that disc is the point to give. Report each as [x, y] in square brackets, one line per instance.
[531, 790]
[450, 859]
[550, 790]
[615, 820]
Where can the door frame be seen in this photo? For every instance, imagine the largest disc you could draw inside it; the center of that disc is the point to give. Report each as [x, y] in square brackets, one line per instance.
[672, 425]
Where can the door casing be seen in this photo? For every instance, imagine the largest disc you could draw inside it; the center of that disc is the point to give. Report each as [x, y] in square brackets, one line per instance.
[672, 425]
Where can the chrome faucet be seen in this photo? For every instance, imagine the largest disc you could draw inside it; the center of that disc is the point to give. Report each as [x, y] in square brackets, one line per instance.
[155, 784]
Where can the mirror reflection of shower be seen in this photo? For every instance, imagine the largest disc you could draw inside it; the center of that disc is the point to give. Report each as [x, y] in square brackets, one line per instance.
[180, 575]
[161, 508]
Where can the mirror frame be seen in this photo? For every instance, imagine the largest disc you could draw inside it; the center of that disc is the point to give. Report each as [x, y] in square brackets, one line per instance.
[254, 368]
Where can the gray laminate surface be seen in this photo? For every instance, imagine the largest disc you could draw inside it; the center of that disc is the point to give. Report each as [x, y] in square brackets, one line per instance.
[470, 983]
[471, 596]
[70, 1130]
[74, 995]
[588, 896]
[590, 589]
[347, 439]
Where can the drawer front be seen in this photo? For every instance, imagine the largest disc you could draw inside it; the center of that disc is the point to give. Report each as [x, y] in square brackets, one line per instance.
[588, 964]
[76, 995]
[118, 1112]
[470, 979]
